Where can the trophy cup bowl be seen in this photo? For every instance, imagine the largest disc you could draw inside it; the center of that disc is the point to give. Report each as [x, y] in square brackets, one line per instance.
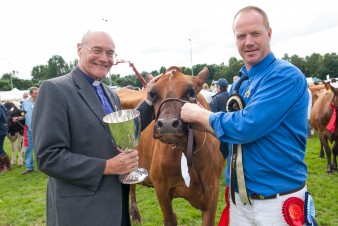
[125, 125]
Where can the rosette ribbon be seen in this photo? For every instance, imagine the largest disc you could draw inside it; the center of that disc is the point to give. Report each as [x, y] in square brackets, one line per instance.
[309, 210]
[293, 211]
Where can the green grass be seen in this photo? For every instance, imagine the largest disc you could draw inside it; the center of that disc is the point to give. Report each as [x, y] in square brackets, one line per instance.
[22, 197]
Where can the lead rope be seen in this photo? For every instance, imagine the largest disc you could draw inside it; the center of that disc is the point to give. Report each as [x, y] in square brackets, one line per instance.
[190, 142]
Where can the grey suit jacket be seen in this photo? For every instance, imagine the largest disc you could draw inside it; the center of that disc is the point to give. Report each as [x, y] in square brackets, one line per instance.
[72, 144]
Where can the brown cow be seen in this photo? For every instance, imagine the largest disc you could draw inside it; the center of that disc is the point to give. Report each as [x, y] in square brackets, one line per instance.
[162, 156]
[320, 117]
[316, 89]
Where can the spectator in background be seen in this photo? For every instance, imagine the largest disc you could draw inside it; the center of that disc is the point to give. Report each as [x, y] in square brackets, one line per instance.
[334, 83]
[218, 102]
[5, 164]
[234, 78]
[206, 93]
[28, 105]
[24, 97]
[309, 130]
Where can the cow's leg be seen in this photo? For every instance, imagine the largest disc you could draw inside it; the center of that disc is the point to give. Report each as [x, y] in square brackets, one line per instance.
[12, 139]
[334, 160]
[13, 159]
[135, 214]
[20, 149]
[164, 199]
[321, 152]
[208, 216]
[325, 143]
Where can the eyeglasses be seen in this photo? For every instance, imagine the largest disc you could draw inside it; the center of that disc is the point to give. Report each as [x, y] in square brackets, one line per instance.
[99, 52]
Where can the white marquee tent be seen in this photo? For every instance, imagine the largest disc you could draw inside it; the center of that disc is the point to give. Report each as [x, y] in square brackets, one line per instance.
[13, 95]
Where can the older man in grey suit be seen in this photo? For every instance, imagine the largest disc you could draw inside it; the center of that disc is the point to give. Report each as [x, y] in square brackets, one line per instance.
[75, 148]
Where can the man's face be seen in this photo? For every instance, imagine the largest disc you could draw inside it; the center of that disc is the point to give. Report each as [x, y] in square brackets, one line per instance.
[91, 62]
[252, 37]
[34, 93]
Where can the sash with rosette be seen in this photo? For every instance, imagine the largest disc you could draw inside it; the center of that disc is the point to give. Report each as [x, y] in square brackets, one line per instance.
[235, 102]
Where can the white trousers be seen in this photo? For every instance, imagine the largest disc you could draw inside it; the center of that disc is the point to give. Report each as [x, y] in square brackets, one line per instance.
[261, 212]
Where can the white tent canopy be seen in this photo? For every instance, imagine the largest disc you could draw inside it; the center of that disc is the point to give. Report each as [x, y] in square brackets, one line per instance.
[13, 95]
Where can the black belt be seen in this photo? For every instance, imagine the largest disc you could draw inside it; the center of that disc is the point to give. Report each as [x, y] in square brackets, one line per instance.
[261, 197]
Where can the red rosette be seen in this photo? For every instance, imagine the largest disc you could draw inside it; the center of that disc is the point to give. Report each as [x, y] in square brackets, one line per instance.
[293, 211]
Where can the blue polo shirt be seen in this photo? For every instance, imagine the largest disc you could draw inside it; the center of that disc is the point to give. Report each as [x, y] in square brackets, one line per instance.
[28, 105]
[271, 128]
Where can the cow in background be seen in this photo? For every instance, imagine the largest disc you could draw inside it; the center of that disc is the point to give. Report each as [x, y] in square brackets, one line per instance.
[324, 119]
[15, 131]
[164, 141]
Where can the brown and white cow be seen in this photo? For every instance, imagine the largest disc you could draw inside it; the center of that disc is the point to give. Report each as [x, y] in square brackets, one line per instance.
[165, 139]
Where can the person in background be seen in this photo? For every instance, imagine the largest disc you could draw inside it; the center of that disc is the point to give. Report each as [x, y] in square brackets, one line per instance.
[25, 139]
[24, 97]
[309, 130]
[5, 164]
[334, 83]
[218, 102]
[235, 78]
[28, 106]
[269, 130]
[206, 93]
[75, 147]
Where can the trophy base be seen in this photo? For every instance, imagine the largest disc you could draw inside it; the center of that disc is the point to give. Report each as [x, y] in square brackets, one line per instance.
[134, 177]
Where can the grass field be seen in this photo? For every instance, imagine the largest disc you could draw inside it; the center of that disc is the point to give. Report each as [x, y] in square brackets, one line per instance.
[22, 197]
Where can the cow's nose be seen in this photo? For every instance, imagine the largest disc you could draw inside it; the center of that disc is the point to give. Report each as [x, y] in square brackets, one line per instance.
[168, 123]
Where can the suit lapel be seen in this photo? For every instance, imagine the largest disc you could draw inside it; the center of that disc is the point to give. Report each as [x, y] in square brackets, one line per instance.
[88, 94]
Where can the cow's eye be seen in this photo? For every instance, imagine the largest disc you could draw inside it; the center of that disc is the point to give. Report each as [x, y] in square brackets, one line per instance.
[192, 93]
[153, 95]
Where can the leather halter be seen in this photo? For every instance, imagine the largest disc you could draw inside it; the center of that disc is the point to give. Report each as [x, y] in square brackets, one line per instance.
[190, 129]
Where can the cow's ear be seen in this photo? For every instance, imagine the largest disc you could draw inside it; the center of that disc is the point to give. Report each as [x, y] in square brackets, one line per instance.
[200, 79]
[203, 75]
[149, 77]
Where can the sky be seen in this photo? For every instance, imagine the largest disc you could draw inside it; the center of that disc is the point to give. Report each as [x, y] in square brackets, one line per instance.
[155, 33]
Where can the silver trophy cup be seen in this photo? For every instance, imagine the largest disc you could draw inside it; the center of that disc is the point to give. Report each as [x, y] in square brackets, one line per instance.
[125, 125]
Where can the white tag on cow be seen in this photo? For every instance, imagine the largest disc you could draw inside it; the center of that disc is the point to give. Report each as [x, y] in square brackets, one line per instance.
[184, 170]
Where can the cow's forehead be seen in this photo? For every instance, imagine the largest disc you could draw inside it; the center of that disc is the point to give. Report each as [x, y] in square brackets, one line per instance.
[175, 76]
[173, 85]
[175, 81]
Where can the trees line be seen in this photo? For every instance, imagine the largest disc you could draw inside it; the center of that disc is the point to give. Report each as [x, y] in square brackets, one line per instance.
[315, 65]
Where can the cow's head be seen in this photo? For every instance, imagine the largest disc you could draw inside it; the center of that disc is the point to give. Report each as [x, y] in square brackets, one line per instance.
[14, 111]
[169, 94]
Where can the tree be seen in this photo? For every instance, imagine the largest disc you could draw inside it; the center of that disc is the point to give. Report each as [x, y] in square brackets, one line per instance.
[298, 62]
[39, 73]
[9, 79]
[315, 65]
[56, 67]
[330, 64]
[5, 83]
[312, 65]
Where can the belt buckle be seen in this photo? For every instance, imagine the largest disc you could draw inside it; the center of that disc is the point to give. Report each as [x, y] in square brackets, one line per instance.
[261, 197]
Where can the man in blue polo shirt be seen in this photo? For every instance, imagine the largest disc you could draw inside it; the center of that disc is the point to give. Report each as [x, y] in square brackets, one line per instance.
[270, 129]
[28, 106]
